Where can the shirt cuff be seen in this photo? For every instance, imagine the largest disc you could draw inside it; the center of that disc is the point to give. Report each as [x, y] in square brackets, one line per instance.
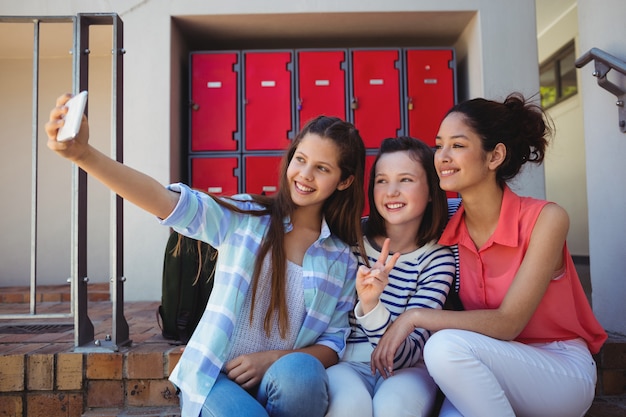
[375, 319]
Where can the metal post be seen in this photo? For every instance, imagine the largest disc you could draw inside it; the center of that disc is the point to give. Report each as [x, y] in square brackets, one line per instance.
[83, 327]
[34, 177]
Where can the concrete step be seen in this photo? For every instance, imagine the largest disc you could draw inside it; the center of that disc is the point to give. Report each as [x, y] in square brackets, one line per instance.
[134, 412]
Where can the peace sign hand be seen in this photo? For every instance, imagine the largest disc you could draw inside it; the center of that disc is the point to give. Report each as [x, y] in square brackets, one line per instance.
[370, 282]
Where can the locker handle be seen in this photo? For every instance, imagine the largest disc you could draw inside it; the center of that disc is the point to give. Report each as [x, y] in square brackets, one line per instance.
[410, 104]
[194, 106]
[354, 104]
[299, 105]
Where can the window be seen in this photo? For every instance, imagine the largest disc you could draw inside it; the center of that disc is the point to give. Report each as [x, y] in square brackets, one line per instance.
[557, 77]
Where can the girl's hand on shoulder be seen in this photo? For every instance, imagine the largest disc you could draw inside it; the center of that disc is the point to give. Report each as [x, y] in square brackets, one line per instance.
[370, 282]
[73, 149]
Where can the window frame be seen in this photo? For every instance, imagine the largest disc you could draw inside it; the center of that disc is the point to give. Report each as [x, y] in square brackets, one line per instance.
[553, 65]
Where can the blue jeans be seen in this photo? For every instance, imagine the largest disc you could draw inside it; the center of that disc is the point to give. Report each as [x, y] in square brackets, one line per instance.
[354, 391]
[295, 385]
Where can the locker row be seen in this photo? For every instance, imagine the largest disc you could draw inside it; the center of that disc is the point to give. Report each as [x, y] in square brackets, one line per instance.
[251, 101]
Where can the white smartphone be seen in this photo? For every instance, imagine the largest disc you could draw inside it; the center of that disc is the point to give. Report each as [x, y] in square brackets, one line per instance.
[73, 118]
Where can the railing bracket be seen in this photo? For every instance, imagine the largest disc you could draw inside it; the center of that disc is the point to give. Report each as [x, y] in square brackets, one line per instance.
[603, 64]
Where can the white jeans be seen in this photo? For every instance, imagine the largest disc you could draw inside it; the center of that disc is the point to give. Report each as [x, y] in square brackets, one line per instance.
[483, 377]
[354, 391]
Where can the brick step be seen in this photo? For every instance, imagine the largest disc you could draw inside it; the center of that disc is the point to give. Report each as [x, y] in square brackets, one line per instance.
[53, 293]
[129, 382]
[611, 362]
[609, 406]
[134, 412]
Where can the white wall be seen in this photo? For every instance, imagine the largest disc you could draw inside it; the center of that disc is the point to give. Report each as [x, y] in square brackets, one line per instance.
[498, 51]
[566, 174]
[601, 25]
[566, 181]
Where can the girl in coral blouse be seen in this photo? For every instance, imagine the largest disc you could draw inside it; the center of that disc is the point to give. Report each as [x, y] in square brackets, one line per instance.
[523, 344]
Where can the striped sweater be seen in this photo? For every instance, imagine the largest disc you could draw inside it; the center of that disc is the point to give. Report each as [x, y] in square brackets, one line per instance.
[419, 279]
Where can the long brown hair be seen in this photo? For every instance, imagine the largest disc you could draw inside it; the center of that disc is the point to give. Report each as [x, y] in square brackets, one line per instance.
[342, 210]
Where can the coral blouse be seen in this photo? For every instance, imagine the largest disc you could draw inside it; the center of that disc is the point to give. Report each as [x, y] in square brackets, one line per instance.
[487, 273]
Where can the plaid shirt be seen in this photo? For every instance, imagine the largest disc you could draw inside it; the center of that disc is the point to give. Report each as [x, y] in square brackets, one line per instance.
[329, 271]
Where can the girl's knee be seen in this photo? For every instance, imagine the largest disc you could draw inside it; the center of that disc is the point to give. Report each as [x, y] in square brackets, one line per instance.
[297, 372]
[296, 384]
[302, 364]
[299, 359]
[410, 392]
[443, 349]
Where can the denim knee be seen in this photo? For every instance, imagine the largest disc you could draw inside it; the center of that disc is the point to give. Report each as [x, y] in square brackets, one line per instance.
[296, 384]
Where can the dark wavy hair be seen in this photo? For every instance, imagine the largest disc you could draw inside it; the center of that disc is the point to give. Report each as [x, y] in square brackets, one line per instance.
[520, 125]
[436, 214]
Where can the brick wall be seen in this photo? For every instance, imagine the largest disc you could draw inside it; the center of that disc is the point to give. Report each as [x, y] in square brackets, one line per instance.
[611, 362]
[68, 384]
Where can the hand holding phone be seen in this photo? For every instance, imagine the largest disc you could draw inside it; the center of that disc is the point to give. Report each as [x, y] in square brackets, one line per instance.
[73, 118]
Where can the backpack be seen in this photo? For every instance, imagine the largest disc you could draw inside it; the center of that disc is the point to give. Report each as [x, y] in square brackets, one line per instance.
[187, 284]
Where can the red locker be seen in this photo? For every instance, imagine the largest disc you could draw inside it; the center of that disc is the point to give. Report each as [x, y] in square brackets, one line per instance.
[321, 81]
[375, 98]
[430, 91]
[215, 175]
[369, 162]
[214, 98]
[267, 100]
[262, 174]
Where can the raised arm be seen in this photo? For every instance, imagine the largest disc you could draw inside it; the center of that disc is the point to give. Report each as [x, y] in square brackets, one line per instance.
[132, 185]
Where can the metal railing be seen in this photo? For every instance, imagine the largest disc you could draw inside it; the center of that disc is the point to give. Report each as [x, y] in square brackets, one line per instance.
[604, 63]
[83, 327]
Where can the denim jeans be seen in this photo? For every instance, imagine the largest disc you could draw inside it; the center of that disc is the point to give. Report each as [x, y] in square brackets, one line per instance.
[295, 385]
[354, 391]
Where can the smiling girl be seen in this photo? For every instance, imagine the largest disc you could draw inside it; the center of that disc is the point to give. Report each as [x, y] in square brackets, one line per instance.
[523, 346]
[284, 279]
[409, 212]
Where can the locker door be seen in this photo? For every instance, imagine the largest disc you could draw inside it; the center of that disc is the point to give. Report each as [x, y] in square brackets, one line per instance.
[321, 85]
[430, 91]
[375, 98]
[267, 100]
[214, 95]
[261, 174]
[215, 175]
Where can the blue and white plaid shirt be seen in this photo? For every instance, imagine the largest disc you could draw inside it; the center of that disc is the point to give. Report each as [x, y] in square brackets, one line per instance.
[329, 271]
